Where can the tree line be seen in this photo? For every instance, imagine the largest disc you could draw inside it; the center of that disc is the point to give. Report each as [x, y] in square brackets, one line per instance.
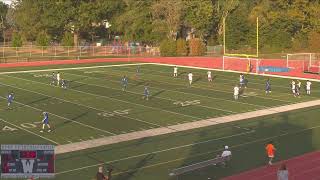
[284, 24]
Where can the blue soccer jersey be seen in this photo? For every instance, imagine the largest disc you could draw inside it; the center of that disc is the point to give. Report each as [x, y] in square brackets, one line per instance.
[45, 118]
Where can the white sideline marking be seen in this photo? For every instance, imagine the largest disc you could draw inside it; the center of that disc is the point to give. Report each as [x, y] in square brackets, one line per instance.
[75, 68]
[149, 123]
[181, 127]
[107, 97]
[64, 118]
[29, 131]
[238, 72]
[163, 150]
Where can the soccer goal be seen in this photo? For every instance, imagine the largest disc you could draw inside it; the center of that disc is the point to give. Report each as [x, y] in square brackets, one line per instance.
[249, 65]
[305, 62]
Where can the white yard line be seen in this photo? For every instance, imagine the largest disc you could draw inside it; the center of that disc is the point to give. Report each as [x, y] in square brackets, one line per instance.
[181, 127]
[75, 68]
[160, 151]
[202, 87]
[178, 91]
[238, 72]
[178, 159]
[100, 110]
[169, 99]
[52, 141]
[91, 127]
[107, 97]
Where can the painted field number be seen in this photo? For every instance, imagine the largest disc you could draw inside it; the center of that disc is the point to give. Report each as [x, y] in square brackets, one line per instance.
[187, 103]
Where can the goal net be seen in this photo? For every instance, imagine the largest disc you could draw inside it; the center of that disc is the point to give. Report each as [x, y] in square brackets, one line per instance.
[304, 62]
[240, 64]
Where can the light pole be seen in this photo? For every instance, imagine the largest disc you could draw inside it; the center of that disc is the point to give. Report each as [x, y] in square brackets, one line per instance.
[3, 29]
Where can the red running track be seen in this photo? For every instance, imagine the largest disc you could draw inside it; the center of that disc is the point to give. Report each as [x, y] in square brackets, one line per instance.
[305, 167]
[204, 62]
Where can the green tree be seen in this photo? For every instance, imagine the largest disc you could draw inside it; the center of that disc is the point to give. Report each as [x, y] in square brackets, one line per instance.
[168, 47]
[3, 24]
[200, 16]
[17, 40]
[168, 14]
[43, 39]
[67, 39]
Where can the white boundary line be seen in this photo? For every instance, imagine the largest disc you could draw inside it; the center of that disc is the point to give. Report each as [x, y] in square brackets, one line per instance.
[30, 131]
[63, 117]
[164, 150]
[238, 72]
[75, 68]
[178, 159]
[107, 97]
[54, 97]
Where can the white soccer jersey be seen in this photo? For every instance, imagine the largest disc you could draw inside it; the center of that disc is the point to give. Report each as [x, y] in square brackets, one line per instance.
[190, 75]
[175, 70]
[236, 91]
[58, 76]
[309, 85]
[209, 74]
[299, 84]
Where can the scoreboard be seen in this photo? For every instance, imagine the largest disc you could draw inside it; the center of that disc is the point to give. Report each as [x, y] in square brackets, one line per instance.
[27, 161]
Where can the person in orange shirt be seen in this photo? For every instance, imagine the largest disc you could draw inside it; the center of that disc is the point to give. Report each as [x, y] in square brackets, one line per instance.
[270, 151]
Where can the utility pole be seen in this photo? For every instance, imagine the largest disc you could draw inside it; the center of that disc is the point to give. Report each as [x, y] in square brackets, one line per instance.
[3, 30]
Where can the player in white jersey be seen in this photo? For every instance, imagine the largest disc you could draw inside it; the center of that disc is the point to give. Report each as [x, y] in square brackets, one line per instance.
[236, 92]
[190, 76]
[293, 88]
[209, 76]
[58, 79]
[175, 71]
[308, 87]
[298, 88]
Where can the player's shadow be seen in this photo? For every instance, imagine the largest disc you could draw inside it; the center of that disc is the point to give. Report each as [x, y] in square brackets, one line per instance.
[77, 85]
[71, 120]
[129, 173]
[140, 83]
[198, 79]
[38, 100]
[247, 140]
[157, 94]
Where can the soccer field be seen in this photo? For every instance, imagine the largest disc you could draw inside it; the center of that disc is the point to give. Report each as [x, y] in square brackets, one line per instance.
[94, 106]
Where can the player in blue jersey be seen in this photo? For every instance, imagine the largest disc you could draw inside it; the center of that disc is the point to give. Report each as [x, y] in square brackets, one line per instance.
[268, 86]
[10, 99]
[45, 121]
[137, 71]
[146, 93]
[64, 84]
[124, 83]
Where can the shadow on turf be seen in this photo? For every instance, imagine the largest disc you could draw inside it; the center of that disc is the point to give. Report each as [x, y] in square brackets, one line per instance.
[290, 137]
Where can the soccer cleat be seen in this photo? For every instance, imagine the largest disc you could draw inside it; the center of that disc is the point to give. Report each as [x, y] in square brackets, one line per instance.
[41, 131]
[49, 130]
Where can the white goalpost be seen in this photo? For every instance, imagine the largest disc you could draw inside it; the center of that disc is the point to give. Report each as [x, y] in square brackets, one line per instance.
[241, 64]
[307, 62]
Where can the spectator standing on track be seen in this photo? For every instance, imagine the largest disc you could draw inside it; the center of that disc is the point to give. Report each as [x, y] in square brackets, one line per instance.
[100, 175]
[270, 151]
[283, 173]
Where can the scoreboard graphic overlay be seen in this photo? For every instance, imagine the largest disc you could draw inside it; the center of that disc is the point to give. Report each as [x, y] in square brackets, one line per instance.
[27, 161]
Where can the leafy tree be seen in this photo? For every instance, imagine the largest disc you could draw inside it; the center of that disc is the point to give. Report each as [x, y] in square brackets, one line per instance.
[43, 39]
[200, 14]
[17, 39]
[182, 47]
[168, 47]
[3, 23]
[168, 14]
[67, 39]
